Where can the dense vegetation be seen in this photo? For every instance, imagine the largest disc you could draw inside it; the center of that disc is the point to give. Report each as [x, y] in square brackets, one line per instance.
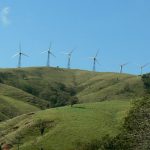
[135, 132]
[58, 94]
[146, 81]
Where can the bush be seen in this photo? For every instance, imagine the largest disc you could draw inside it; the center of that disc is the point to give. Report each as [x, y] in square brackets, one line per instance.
[59, 95]
[73, 100]
[146, 81]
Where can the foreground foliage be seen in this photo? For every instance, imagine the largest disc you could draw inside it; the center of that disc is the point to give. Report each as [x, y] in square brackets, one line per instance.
[135, 133]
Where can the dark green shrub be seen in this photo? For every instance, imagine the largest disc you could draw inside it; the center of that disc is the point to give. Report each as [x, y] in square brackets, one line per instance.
[58, 95]
[73, 100]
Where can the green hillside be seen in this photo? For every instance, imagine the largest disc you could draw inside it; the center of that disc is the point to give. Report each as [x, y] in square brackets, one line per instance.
[28, 97]
[66, 126]
[14, 102]
[89, 86]
[40, 88]
[10, 107]
[108, 86]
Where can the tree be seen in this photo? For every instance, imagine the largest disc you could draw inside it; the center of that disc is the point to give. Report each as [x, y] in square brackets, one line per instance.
[58, 94]
[74, 100]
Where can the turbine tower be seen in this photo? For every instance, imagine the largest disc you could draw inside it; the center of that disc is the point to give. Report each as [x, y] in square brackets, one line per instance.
[121, 67]
[95, 60]
[49, 53]
[69, 58]
[142, 67]
[20, 54]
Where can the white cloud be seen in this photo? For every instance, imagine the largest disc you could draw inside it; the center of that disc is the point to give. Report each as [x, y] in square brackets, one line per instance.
[4, 16]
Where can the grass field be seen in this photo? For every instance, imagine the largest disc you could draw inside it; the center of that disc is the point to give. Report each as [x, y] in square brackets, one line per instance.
[67, 126]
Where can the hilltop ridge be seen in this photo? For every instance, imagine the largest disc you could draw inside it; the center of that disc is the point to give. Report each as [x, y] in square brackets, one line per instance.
[86, 82]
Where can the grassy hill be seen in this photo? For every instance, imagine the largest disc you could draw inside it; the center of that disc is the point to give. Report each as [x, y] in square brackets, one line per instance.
[24, 94]
[90, 86]
[11, 107]
[66, 126]
[29, 89]
[108, 86]
[14, 102]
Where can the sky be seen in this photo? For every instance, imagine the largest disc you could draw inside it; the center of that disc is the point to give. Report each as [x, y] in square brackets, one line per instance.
[119, 28]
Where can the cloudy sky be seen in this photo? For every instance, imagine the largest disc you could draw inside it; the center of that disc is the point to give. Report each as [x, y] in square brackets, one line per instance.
[119, 28]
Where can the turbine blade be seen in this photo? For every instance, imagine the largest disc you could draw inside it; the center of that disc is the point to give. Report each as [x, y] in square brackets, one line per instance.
[72, 51]
[97, 62]
[145, 65]
[125, 64]
[20, 47]
[91, 57]
[52, 54]
[50, 45]
[65, 53]
[43, 52]
[25, 54]
[15, 55]
[97, 53]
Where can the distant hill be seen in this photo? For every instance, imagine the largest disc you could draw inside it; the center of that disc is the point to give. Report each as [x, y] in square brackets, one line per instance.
[90, 86]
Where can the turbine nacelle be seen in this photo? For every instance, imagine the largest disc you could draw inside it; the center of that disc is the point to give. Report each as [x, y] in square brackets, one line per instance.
[143, 66]
[69, 54]
[49, 53]
[95, 60]
[20, 54]
[123, 65]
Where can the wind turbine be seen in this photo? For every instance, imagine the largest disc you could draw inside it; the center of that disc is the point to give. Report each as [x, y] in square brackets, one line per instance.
[20, 54]
[69, 54]
[142, 67]
[121, 67]
[49, 53]
[95, 60]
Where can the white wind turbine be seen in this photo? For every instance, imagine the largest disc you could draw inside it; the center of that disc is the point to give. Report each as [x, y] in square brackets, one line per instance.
[95, 60]
[49, 53]
[122, 66]
[20, 54]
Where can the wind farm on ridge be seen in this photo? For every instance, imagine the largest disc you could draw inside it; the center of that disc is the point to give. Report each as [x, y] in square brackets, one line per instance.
[69, 54]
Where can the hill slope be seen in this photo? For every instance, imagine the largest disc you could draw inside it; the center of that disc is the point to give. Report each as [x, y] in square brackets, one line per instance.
[36, 88]
[89, 86]
[14, 102]
[108, 86]
[66, 126]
